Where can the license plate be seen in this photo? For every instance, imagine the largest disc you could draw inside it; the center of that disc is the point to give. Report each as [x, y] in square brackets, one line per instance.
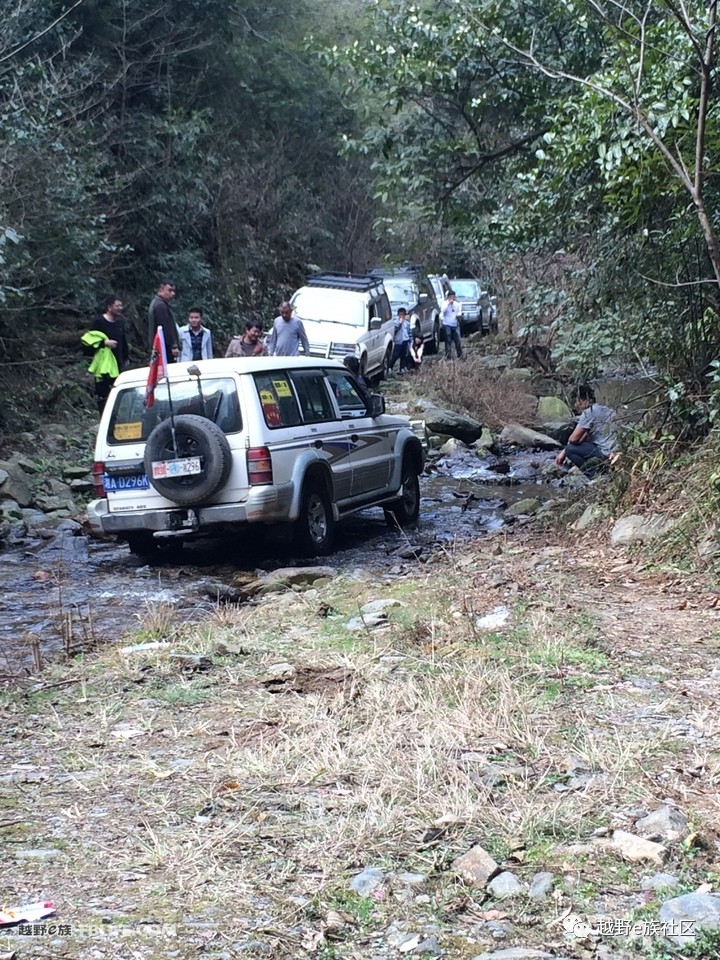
[138, 481]
[176, 468]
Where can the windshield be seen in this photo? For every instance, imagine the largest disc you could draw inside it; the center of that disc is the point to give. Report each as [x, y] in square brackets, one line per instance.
[131, 420]
[466, 289]
[330, 306]
[402, 293]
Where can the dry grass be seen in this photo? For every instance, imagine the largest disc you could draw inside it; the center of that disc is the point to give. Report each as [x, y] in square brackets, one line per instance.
[234, 805]
[494, 399]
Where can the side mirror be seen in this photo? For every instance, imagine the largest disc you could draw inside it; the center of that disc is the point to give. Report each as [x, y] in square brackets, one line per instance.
[375, 323]
[377, 404]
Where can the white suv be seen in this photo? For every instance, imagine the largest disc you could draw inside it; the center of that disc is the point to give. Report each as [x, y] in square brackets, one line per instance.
[250, 441]
[347, 314]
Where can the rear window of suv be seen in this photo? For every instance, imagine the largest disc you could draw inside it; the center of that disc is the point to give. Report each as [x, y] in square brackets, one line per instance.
[132, 422]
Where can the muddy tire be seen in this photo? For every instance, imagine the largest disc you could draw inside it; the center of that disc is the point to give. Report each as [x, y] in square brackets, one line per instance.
[433, 344]
[195, 437]
[385, 368]
[405, 511]
[315, 526]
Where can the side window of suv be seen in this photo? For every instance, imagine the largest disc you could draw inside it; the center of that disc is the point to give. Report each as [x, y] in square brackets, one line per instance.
[351, 402]
[277, 399]
[315, 402]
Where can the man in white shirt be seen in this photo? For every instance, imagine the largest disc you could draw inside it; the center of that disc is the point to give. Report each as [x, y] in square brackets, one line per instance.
[450, 317]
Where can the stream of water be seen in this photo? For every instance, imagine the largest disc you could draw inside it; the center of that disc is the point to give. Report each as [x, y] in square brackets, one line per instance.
[75, 591]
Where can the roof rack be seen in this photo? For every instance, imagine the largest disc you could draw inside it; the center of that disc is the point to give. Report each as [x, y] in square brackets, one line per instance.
[344, 281]
[400, 270]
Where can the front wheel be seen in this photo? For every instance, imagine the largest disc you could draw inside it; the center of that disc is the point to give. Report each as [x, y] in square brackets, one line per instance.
[406, 509]
[314, 528]
[384, 371]
[433, 345]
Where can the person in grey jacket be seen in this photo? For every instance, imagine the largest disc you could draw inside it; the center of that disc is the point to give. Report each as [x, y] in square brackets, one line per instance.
[593, 442]
[195, 339]
[288, 335]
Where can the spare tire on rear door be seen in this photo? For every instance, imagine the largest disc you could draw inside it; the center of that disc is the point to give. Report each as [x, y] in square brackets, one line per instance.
[196, 437]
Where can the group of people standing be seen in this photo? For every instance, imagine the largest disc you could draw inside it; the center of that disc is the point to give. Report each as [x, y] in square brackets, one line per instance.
[107, 340]
[408, 343]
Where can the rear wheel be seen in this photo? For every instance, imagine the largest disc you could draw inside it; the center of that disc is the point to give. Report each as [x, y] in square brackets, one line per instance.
[385, 368]
[433, 344]
[315, 526]
[406, 509]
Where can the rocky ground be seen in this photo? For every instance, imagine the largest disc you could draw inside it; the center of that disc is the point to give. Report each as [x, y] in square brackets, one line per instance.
[501, 745]
[510, 751]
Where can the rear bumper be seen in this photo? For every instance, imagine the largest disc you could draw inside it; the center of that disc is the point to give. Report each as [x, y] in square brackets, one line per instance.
[263, 505]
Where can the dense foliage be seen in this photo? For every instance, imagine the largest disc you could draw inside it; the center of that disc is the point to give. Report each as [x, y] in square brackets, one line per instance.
[192, 138]
[559, 149]
[571, 140]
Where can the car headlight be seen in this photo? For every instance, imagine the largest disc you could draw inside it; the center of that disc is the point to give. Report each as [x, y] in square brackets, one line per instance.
[347, 347]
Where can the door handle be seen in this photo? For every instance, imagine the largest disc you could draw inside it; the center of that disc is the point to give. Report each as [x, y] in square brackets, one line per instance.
[318, 444]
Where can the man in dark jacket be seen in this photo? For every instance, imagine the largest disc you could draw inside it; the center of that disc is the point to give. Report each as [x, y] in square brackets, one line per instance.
[160, 315]
[111, 323]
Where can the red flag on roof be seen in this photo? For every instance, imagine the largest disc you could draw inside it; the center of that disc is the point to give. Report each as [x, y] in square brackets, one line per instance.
[158, 367]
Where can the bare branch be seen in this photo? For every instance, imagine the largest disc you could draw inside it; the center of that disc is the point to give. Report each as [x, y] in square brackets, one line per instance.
[14, 53]
[707, 60]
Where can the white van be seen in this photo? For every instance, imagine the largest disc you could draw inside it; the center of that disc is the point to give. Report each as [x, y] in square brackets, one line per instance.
[228, 444]
[347, 314]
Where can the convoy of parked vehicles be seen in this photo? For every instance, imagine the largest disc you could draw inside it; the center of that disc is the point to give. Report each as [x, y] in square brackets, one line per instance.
[299, 441]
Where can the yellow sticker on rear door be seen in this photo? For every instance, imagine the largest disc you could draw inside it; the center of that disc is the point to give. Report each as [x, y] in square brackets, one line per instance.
[128, 431]
[282, 388]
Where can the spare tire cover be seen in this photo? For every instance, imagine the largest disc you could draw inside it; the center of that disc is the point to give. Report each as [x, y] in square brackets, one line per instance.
[195, 437]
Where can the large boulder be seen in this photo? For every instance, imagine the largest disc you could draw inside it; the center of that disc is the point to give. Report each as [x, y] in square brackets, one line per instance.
[518, 436]
[523, 374]
[484, 441]
[493, 361]
[559, 430]
[552, 409]
[635, 528]
[686, 917]
[452, 424]
[523, 507]
[14, 483]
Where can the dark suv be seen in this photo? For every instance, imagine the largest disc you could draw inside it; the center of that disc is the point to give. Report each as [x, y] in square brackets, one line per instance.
[409, 287]
[478, 313]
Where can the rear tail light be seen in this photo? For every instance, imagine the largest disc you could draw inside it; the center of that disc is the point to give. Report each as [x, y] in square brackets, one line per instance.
[98, 471]
[259, 465]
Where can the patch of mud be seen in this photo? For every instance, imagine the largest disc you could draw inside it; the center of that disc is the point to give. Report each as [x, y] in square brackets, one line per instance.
[313, 680]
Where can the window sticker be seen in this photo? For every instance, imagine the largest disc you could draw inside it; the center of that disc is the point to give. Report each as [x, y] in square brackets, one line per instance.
[270, 408]
[128, 431]
[282, 388]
